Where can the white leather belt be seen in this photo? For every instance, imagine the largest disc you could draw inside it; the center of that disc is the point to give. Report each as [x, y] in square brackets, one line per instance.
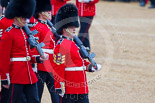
[28, 58]
[50, 51]
[75, 68]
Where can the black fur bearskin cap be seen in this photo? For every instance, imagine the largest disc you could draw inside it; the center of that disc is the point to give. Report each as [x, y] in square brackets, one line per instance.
[20, 8]
[66, 16]
[42, 5]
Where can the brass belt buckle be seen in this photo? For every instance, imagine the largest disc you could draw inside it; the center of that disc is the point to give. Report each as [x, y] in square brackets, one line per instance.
[83, 68]
[28, 58]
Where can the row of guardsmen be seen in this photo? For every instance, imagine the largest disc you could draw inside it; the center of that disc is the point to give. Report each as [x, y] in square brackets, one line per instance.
[62, 68]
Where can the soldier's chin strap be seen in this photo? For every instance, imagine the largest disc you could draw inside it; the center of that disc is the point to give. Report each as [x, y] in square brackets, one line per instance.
[67, 30]
[43, 13]
[19, 20]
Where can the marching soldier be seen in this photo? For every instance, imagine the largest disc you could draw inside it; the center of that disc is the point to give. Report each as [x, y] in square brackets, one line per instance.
[4, 24]
[87, 10]
[15, 54]
[5, 80]
[44, 74]
[56, 4]
[69, 66]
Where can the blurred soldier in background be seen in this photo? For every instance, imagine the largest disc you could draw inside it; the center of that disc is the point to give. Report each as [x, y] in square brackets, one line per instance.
[4, 22]
[152, 4]
[5, 80]
[56, 4]
[144, 2]
[87, 10]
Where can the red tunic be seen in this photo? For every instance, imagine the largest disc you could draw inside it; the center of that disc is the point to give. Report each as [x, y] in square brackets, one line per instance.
[69, 68]
[3, 76]
[4, 24]
[14, 44]
[86, 9]
[56, 4]
[46, 36]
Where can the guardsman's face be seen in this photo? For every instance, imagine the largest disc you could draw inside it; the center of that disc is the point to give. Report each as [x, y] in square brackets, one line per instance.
[46, 15]
[69, 32]
[20, 21]
[71, 29]
[23, 20]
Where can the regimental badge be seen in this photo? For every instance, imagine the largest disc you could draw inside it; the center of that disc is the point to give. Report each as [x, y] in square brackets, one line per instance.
[59, 59]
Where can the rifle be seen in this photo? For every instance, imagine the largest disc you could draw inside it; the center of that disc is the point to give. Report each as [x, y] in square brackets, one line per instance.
[33, 40]
[83, 51]
[49, 23]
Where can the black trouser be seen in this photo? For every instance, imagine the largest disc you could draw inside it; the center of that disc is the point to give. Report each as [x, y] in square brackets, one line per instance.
[85, 23]
[5, 96]
[16, 93]
[45, 77]
[75, 98]
[152, 2]
[142, 1]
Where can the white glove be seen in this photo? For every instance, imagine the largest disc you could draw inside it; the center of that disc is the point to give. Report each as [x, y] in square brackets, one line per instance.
[98, 68]
[61, 91]
[6, 82]
[35, 69]
[45, 57]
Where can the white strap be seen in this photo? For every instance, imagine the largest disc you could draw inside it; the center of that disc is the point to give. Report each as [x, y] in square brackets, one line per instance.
[28, 58]
[76, 68]
[35, 55]
[50, 51]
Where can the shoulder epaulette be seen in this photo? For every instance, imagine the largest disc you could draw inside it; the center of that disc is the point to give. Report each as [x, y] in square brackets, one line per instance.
[60, 41]
[2, 17]
[8, 29]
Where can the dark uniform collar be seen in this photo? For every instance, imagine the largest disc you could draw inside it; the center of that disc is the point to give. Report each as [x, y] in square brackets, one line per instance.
[17, 27]
[32, 24]
[71, 39]
[2, 17]
[41, 21]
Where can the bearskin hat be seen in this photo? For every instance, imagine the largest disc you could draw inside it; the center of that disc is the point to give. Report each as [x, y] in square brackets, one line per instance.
[66, 16]
[4, 3]
[42, 5]
[20, 8]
